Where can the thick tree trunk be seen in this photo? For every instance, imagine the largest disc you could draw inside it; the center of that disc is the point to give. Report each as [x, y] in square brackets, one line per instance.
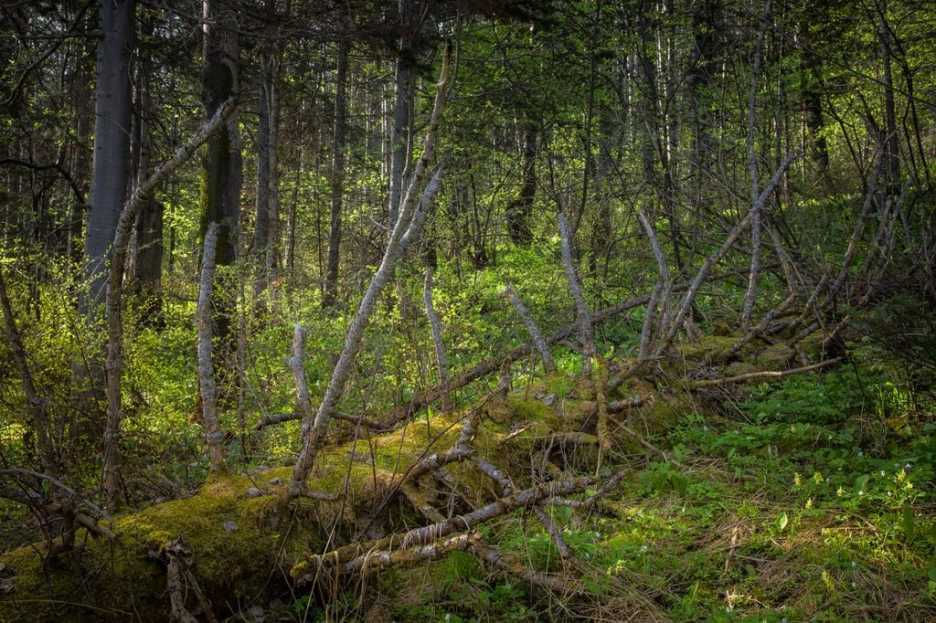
[222, 169]
[113, 110]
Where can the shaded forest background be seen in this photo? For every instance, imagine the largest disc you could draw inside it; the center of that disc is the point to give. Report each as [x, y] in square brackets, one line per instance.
[241, 235]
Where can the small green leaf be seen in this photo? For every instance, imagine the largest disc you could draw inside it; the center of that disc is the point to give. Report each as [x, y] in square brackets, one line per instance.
[782, 521]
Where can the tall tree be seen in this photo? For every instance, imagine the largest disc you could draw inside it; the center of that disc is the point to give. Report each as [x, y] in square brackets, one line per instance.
[267, 208]
[222, 168]
[337, 177]
[110, 177]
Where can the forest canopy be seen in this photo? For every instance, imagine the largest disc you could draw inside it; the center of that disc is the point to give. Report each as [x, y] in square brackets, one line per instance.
[467, 310]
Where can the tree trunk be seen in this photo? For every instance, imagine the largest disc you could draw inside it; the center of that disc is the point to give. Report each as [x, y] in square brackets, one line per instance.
[520, 210]
[222, 168]
[111, 169]
[267, 207]
[400, 131]
[147, 252]
[337, 178]
[891, 145]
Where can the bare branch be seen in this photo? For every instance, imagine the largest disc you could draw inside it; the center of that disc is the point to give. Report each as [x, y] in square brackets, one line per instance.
[582, 316]
[206, 380]
[315, 429]
[549, 364]
[741, 378]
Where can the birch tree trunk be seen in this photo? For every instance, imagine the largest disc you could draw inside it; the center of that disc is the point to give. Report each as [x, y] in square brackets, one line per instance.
[206, 380]
[409, 221]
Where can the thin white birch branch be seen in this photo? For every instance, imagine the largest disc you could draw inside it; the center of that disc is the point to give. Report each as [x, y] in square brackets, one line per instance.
[113, 302]
[536, 336]
[206, 377]
[582, 316]
[315, 429]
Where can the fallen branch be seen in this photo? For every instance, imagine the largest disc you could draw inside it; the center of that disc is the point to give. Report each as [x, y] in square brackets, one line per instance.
[741, 378]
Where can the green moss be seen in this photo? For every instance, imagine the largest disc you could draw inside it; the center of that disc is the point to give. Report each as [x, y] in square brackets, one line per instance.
[111, 578]
[775, 357]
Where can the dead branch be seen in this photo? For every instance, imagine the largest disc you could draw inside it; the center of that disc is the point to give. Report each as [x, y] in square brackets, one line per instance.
[554, 532]
[426, 534]
[489, 366]
[113, 302]
[302, 389]
[757, 199]
[405, 228]
[209, 392]
[582, 315]
[741, 378]
[718, 254]
[549, 364]
[662, 290]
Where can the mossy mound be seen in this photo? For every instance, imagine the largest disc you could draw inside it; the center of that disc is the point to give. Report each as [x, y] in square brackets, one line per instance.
[231, 535]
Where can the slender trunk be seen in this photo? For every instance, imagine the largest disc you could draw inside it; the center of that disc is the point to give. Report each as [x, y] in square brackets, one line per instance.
[435, 325]
[206, 380]
[757, 204]
[147, 252]
[267, 205]
[337, 179]
[401, 130]
[520, 210]
[892, 148]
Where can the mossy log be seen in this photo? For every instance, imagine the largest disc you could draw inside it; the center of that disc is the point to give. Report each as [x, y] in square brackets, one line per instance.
[245, 539]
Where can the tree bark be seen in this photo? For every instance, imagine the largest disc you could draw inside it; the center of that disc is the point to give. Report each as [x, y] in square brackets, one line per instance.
[206, 377]
[113, 305]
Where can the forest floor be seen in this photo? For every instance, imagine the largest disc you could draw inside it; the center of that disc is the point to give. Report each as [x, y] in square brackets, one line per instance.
[807, 498]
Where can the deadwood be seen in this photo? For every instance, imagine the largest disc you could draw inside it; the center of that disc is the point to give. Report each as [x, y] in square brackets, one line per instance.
[113, 302]
[536, 335]
[206, 378]
[409, 221]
